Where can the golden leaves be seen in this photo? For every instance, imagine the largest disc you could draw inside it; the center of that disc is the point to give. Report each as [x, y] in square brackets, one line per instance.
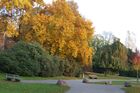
[60, 31]
[11, 30]
[26, 4]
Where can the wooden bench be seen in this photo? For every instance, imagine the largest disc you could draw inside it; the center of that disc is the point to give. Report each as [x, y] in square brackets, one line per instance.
[91, 75]
[13, 77]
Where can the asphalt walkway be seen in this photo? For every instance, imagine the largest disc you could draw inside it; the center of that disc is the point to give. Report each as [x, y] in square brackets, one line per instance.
[76, 86]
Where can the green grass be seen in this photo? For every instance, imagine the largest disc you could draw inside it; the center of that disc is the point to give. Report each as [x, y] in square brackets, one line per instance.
[102, 76]
[11, 87]
[133, 89]
[2, 77]
[134, 83]
[49, 78]
[113, 82]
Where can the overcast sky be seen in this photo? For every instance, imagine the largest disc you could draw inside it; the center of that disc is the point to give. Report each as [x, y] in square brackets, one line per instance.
[116, 16]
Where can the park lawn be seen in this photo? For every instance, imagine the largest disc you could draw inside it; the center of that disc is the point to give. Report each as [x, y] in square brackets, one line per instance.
[102, 76]
[13, 87]
[134, 83]
[2, 77]
[113, 82]
[133, 89]
[50, 78]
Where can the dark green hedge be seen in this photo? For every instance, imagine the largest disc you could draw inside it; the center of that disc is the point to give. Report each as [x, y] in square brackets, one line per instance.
[30, 59]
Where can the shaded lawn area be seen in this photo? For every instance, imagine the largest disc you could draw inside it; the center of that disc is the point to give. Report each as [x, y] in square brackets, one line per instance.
[102, 76]
[13, 87]
[50, 78]
[2, 77]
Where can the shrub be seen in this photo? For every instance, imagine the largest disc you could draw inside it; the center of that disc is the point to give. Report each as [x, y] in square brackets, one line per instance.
[56, 66]
[50, 66]
[70, 68]
[30, 59]
[22, 59]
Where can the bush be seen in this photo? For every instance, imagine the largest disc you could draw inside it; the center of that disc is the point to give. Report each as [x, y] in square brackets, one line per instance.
[128, 73]
[22, 59]
[70, 68]
[50, 66]
[30, 59]
[56, 66]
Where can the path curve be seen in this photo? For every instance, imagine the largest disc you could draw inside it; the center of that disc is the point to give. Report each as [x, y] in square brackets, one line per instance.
[76, 86]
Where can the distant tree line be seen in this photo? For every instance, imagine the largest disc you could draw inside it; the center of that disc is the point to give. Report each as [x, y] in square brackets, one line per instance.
[112, 57]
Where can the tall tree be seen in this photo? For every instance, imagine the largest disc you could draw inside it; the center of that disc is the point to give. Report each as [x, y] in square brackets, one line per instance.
[130, 40]
[119, 54]
[61, 30]
[26, 4]
[136, 63]
[109, 56]
[98, 42]
[10, 12]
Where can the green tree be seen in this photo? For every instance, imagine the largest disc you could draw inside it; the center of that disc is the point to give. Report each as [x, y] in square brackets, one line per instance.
[110, 56]
[119, 55]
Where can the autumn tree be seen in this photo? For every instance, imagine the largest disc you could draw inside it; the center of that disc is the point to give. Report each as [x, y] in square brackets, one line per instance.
[136, 63]
[59, 28]
[10, 12]
[20, 4]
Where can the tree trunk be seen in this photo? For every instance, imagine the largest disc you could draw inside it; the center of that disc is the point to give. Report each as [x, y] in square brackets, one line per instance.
[105, 73]
[4, 40]
[137, 76]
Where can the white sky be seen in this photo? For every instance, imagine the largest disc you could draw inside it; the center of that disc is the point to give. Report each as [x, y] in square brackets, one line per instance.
[116, 16]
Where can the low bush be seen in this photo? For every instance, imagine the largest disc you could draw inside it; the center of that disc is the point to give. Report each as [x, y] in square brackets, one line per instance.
[58, 67]
[30, 59]
[22, 59]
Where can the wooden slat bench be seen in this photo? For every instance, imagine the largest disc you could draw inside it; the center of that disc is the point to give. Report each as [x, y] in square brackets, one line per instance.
[13, 77]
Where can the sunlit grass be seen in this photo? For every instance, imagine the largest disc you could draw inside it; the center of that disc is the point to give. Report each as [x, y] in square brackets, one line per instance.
[133, 83]
[12, 87]
[133, 89]
[102, 76]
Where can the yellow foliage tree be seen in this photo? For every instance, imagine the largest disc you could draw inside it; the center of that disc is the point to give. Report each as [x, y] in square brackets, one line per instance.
[61, 30]
[58, 27]
[10, 11]
[25, 4]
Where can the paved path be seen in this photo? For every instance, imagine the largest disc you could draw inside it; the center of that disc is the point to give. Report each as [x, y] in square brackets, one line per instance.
[76, 86]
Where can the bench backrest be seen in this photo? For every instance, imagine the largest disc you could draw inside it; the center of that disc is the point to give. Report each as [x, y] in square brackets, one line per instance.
[12, 76]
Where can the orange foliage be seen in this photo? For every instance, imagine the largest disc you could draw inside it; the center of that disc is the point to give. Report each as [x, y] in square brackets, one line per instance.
[61, 31]
[59, 28]
[26, 4]
[136, 60]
